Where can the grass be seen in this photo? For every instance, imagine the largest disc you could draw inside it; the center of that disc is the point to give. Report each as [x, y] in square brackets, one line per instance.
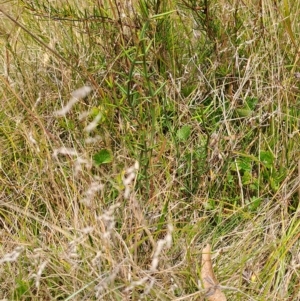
[196, 140]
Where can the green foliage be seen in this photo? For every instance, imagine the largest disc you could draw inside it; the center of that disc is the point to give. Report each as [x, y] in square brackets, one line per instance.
[104, 156]
[22, 290]
[184, 133]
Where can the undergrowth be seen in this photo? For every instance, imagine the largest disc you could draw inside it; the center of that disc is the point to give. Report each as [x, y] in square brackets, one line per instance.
[132, 133]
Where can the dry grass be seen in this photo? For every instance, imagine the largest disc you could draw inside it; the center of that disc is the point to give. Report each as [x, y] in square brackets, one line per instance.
[189, 135]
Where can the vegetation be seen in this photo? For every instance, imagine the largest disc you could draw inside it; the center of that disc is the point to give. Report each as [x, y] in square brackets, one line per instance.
[133, 133]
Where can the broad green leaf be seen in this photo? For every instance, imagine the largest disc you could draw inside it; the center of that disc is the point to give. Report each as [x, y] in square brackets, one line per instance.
[244, 164]
[184, 133]
[102, 157]
[267, 158]
[243, 112]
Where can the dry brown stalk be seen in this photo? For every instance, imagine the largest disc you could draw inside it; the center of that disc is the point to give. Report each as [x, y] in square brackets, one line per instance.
[210, 283]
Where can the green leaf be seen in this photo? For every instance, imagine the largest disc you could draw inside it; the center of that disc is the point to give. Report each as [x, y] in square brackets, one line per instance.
[102, 157]
[94, 111]
[184, 133]
[67, 124]
[247, 178]
[244, 164]
[251, 102]
[243, 112]
[254, 203]
[267, 158]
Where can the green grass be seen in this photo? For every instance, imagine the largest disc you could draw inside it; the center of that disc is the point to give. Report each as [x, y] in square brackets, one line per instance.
[197, 137]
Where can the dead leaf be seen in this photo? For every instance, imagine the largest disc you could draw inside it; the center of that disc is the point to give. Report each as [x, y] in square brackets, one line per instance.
[211, 285]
